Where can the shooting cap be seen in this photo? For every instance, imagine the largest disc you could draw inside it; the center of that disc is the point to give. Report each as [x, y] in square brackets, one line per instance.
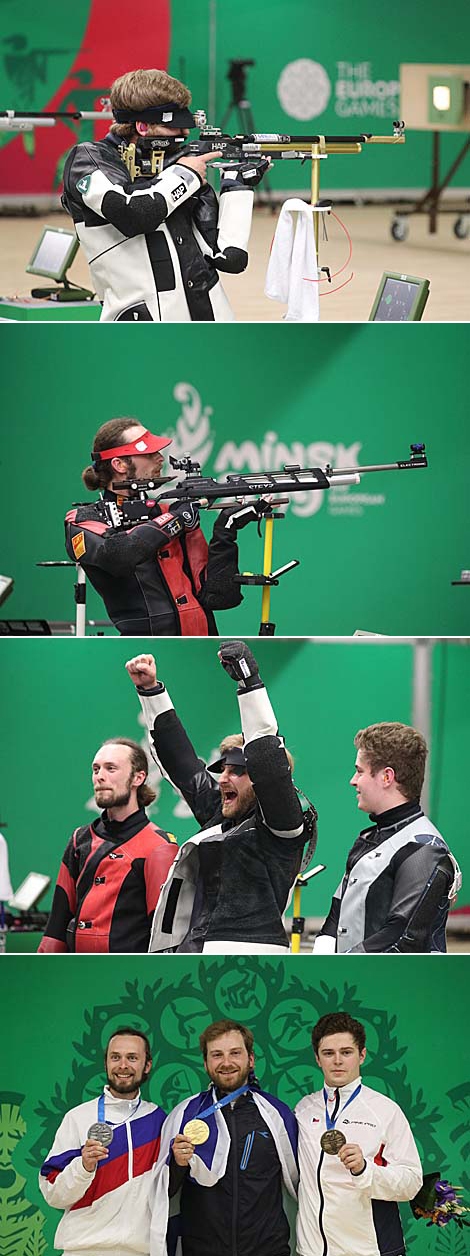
[146, 443]
[234, 758]
[169, 114]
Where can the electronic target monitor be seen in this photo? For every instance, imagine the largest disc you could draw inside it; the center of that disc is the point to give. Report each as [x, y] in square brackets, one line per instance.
[399, 299]
[54, 253]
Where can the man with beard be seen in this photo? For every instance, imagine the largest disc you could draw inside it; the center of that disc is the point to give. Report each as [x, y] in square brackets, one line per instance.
[155, 242]
[400, 877]
[159, 577]
[357, 1154]
[100, 1165]
[230, 884]
[113, 869]
[236, 1140]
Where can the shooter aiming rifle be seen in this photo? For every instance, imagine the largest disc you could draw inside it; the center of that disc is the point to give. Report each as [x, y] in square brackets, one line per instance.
[147, 157]
[204, 491]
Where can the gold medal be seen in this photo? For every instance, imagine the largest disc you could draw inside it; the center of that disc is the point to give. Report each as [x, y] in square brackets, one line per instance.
[332, 1141]
[197, 1132]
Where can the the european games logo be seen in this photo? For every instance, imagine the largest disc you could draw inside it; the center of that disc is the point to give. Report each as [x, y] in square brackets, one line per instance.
[304, 89]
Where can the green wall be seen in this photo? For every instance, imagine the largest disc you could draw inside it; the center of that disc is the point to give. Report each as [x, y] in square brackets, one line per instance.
[374, 42]
[417, 1036]
[380, 556]
[61, 699]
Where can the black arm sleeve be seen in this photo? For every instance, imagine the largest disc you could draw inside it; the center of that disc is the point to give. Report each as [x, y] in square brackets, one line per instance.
[220, 591]
[178, 1173]
[271, 777]
[189, 773]
[117, 552]
[330, 925]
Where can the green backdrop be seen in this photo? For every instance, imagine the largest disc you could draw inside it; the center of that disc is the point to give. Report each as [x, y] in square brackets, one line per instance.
[380, 556]
[61, 699]
[353, 45]
[417, 1035]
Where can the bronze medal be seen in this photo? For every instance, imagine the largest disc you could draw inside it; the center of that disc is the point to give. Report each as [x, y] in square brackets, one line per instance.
[102, 1132]
[197, 1131]
[332, 1141]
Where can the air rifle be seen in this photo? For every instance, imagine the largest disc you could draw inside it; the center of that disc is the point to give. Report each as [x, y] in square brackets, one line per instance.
[206, 491]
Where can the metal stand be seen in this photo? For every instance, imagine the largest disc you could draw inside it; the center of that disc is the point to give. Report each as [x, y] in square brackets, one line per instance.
[268, 578]
[298, 921]
[429, 202]
[79, 593]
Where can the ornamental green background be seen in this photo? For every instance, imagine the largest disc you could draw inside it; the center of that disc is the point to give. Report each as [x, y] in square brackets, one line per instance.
[378, 557]
[62, 699]
[56, 1029]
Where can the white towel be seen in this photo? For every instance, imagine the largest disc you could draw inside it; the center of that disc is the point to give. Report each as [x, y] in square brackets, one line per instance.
[293, 262]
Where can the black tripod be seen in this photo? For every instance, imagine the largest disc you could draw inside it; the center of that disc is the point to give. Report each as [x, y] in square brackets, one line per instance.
[244, 121]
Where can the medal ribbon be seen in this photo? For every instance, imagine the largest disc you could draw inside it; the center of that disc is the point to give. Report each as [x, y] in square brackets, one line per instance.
[115, 1124]
[331, 1120]
[242, 1090]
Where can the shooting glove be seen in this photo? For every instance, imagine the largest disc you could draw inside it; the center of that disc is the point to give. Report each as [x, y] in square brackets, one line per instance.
[188, 514]
[246, 174]
[241, 665]
[236, 517]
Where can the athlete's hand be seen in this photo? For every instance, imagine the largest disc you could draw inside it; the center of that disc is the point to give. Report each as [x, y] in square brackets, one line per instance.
[143, 671]
[241, 665]
[92, 1152]
[351, 1155]
[199, 164]
[182, 1150]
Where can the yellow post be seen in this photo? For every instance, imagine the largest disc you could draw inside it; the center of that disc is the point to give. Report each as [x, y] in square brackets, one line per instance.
[315, 190]
[295, 941]
[267, 569]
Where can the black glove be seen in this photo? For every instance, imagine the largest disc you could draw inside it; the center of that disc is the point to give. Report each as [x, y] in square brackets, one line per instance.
[241, 665]
[188, 515]
[235, 517]
[246, 174]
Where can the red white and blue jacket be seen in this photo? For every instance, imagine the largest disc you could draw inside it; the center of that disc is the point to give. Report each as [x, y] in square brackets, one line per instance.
[106, 1210]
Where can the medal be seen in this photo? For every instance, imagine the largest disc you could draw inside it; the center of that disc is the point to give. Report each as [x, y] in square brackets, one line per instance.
[197, 1131]
[102, 1132]
[332, 1141]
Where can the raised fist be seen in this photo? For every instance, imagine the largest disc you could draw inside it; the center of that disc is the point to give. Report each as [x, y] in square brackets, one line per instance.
[240, 663]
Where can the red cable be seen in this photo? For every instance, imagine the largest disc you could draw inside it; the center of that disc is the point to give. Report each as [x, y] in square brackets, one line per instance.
[324, 279]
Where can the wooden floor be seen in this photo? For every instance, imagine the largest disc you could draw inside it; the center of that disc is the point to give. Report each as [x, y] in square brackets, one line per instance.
[442, 259]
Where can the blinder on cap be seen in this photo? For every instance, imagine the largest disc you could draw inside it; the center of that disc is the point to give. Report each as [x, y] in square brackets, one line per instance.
[169, 114]
[234, 758]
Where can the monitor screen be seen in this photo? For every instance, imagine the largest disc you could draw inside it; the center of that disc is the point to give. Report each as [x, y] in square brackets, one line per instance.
[29, 892]
[54, 253]
[399, 299]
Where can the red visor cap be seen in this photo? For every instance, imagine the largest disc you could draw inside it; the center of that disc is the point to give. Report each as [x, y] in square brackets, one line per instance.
[146, 443]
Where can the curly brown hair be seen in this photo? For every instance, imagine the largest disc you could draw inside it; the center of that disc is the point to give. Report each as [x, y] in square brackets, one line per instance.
[396, 746]
[338, 1023]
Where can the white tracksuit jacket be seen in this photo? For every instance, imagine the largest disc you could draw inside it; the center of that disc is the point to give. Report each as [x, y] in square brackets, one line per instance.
[345, 1215]
[106, 1211]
